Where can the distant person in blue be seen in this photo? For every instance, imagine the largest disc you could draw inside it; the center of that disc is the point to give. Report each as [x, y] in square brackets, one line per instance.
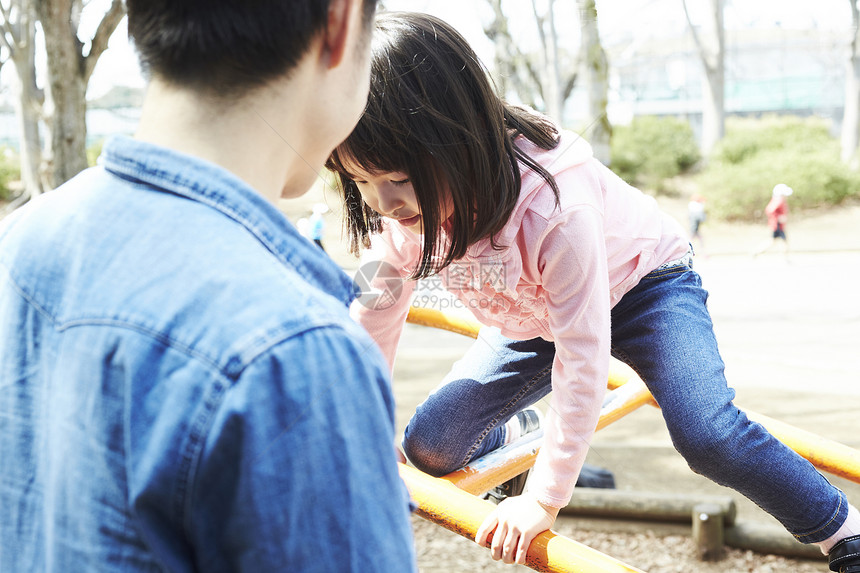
[697, 213]
[181, 387]
[316, 224]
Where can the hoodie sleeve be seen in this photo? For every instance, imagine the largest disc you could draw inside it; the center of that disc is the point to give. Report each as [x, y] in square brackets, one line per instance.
[385, 289]
[574, 274]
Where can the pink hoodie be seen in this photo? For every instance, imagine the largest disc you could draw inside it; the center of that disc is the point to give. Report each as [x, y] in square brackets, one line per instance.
[558, 273]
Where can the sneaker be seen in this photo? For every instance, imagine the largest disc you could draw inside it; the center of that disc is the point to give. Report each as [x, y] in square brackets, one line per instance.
[530, 421]
[595, 478]
[845, 555]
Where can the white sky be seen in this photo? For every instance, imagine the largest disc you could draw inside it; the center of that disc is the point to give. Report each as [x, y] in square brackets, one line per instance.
[617, 19]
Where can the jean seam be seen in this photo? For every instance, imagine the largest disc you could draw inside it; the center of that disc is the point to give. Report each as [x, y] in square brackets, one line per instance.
[503, 413]
[802, 536]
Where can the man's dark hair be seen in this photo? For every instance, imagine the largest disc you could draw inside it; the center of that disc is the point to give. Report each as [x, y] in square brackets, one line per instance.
[225, 48]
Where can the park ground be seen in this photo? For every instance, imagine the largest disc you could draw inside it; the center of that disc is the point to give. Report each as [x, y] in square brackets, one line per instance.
[789, 329]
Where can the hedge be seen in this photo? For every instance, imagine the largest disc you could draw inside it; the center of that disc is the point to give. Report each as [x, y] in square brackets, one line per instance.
[755, 155]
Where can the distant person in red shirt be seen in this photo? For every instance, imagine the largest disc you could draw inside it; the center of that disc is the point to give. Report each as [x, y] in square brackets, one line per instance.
[777, 217]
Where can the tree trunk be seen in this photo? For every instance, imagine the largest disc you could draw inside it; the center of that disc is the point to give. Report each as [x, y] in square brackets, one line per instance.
[61, 105]
[28, 97]
[851, 113]
[713, 61]
[518, 74]
[66, 128]
[556, 108]
[65, 92]
[27, 110]
[596, 81]
[714, 112]
[503, 57]
[551, 88]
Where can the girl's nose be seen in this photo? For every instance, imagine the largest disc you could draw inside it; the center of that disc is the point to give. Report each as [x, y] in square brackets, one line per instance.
[389, 201]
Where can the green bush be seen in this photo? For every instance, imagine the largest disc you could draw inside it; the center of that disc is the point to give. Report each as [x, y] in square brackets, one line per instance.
[10, 170]
[653, 149]
[755, 155]
[93, 152]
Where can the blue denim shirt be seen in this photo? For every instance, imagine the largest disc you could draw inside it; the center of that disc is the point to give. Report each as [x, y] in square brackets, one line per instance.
[181, 387]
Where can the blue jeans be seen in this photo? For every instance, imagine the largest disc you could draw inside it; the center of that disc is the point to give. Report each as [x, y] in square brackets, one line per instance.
[663, 330]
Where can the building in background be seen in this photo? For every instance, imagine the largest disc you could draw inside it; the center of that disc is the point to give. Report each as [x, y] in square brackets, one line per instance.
[772, 70]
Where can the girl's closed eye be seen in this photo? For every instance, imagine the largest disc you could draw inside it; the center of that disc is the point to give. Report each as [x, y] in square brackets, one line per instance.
[397, 182]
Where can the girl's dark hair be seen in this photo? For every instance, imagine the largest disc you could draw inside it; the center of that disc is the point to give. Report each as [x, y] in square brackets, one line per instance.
[432, 113]
[226, 48]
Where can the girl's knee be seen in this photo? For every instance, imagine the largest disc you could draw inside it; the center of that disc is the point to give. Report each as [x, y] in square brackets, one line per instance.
[430, 455]
[710, 448]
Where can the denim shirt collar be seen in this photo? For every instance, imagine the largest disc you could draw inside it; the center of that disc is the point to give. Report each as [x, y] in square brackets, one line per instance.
[199, 180]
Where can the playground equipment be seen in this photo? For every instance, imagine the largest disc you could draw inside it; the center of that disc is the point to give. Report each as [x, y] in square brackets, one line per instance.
[451, 501]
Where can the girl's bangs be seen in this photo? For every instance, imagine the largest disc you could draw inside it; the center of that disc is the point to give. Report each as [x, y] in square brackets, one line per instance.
[366, 152]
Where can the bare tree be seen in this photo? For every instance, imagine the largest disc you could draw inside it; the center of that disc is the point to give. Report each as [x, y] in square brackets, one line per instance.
[534, 78]
[549, 58]
[851, 115]
[59, 106]
[596, 81]
[18, 37]
[68, 73]
[508, 60]
[713, 61]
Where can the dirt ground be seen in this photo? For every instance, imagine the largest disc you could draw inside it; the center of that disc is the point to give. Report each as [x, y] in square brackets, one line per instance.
[788, 327]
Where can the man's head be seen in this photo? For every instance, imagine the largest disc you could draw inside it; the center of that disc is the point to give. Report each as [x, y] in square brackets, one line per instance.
[264, 88]
[226, 48]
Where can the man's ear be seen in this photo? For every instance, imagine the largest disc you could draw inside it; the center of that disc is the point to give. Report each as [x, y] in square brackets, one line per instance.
[337, 29]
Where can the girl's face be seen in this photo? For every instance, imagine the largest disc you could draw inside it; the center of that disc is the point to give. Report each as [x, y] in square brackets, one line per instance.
[391, 195]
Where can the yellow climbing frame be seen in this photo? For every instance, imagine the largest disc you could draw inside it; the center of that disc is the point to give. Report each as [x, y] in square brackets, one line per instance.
[451, 500]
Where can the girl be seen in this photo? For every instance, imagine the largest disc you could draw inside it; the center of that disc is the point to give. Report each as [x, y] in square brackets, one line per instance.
[542, 242]
[777, 218]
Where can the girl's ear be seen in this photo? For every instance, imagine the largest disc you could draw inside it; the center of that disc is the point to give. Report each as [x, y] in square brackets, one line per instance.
[340, 13]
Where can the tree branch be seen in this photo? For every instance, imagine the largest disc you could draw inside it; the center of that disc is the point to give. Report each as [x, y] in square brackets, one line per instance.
[18, 36]
[541, 32]
[568, 87]
[7, 30]
[15, 203]
[698, 41]
[106, 28]
[4, 43]
[855, 26]
[534, 75]
[6, 12]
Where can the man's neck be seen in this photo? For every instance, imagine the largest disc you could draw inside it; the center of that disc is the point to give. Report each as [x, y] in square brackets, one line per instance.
[254, 139]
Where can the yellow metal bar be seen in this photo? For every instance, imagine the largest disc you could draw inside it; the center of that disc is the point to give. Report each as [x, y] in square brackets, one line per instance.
[827, 455]
[438, 319]
[620, 374]
[485, 473]
[480, 476]
[824, 454]
[441, 502]
[636, 398]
